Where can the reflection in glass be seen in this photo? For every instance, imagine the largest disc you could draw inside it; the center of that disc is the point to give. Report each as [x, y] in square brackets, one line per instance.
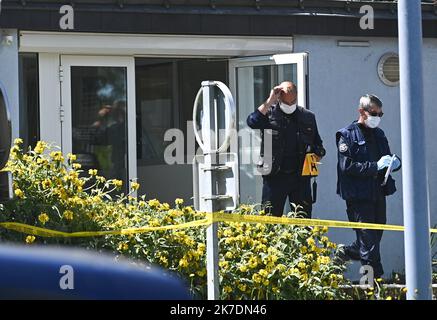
[99, 127]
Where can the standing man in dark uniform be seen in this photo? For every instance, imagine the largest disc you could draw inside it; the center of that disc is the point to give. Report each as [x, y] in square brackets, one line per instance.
[293, 132]
[363, 158]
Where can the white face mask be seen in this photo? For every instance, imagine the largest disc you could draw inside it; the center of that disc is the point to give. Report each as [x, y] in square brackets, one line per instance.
[372, 122]
[286, 108]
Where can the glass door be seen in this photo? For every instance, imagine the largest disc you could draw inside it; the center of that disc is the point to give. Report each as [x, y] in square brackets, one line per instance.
[98, 106]
[251, 80]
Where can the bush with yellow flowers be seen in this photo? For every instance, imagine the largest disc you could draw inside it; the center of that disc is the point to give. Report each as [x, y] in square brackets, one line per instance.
[266, 261]
[257, 261]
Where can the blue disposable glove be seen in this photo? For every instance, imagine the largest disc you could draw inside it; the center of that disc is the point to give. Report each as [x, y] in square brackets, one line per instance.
[384, 162]
[396, 163]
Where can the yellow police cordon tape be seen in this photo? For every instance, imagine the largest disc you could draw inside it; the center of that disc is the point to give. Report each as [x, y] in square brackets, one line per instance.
[210, 218]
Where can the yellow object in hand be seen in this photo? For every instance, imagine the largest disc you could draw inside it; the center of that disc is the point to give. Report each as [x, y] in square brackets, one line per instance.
[310, 165]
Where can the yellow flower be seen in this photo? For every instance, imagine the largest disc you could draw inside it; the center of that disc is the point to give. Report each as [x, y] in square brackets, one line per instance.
[253, 262]
[324, 260]
[201, 247]
[256, 278]
[263, 273]
[154, 222]
[404, 290]
[77, 166]
[30, 239]
[242, 287]
[19, 193]
[179, 201]
[96, 199]
[46, 183]
[243, 268]
[123, 247]
[18, 141]
[71, 157]
[331, 245]
[224, 264]
[227, 289]
[135, 185]
[227, 233]
[311, 241]
[315, 267]
[388, 298]
[281, 267]
[201, 273]
[229, 255]
[165, 206]
[163, 260]
[92, 172]
[118, 183]
[183, 263]
[303, 250]
[188, 210]
[153, 203]
[292, 271]
[14, 151]
[43, 218]
[301, 265]
[57, 156]
[68, 215]
[40, 147]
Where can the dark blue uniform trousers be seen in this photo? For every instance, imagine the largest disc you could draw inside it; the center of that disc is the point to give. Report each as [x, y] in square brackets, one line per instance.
[367, 246]
[278, 187]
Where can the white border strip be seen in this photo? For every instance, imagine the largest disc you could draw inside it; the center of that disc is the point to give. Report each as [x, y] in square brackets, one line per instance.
[151, 45]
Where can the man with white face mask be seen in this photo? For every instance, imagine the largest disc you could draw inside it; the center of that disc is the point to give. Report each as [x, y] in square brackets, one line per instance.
[363, 158]
[293, 133]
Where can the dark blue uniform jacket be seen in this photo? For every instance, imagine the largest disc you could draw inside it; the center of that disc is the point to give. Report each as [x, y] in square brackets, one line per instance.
[357, 176]
[308, 138]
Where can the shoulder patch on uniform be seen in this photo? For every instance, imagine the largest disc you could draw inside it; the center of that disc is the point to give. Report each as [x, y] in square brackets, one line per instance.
[342, 147]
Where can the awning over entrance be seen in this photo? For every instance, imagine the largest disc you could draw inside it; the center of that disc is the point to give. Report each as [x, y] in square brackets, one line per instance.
[151, 45]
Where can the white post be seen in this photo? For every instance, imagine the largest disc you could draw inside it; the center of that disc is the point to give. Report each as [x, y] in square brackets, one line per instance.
[210, 142]
[208, 177]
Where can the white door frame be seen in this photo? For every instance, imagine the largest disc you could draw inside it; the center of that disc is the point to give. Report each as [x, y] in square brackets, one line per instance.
[300, 59]
[55, 99]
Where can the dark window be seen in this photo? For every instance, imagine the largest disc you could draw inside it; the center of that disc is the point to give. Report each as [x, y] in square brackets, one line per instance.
[165, 93]
[29, 98]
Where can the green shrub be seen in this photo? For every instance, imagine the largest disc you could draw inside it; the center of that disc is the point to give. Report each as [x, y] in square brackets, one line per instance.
[257, 261]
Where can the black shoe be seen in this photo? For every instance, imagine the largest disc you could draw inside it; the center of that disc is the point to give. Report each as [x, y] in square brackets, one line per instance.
[340, 255]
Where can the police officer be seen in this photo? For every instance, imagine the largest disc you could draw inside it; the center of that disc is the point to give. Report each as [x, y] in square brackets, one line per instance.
[363, 158]
[292, 132]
